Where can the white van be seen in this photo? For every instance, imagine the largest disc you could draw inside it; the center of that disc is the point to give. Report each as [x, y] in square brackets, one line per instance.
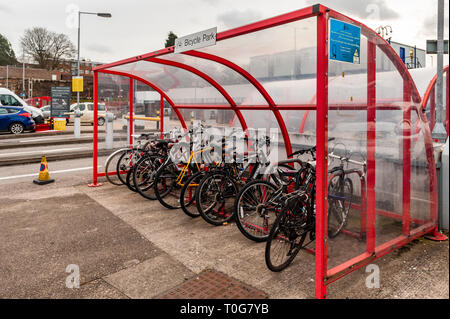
[8, 98]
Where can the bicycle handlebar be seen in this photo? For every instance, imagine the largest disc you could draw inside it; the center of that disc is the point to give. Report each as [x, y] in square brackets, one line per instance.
[346, 159]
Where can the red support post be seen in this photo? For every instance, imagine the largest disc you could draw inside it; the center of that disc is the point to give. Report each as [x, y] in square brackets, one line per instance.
[406, 189]
[371, 143]
[95, 136]
[446, 101]
[131, 120]
[161, 117]
[432, 108]
[322, 151]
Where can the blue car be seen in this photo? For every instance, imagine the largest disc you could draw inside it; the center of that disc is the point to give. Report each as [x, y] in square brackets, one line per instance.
[15, 120]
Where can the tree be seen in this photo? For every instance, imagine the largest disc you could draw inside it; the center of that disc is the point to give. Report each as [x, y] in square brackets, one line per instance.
[47, 48]
[170, 39]
[7, 55]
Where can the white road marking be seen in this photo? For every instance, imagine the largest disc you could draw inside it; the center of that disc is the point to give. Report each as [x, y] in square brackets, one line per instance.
[53, 172]
[49, 138]
[47, 151]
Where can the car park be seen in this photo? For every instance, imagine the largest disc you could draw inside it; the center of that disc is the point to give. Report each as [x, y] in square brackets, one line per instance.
[15, 120]
[8, 98]
[87, 113]
[46, 111]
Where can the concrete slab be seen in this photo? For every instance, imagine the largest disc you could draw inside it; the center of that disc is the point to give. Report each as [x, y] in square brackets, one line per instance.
[199, 246]
[96, 289]
[41, 237]
[151, 277]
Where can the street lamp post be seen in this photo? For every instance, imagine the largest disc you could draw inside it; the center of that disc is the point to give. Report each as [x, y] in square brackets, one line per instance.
[439, 132]
[103, 15]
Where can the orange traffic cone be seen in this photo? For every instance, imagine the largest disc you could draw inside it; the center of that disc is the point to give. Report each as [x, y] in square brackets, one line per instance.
[44, 176]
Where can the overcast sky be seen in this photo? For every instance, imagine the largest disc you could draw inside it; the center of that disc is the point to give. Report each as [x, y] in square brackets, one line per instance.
[139, 26]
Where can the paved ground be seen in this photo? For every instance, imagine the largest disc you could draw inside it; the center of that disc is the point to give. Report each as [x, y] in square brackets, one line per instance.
[129, 247]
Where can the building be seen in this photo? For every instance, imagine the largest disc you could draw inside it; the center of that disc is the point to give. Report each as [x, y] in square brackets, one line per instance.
[38, 81]
[412, 56]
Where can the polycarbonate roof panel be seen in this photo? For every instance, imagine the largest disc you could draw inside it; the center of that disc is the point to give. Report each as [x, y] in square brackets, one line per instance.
[182, 86]
[238, 87]
[275, 57]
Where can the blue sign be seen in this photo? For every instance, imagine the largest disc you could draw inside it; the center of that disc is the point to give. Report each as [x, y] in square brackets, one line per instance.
[345, 42]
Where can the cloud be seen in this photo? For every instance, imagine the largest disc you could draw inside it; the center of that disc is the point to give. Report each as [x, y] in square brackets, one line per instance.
[99, 48]
[5, 9]
[237, 18]
[371, 9]
[429, 25]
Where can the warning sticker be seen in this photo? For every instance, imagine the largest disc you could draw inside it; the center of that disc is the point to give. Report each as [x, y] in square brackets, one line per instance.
[345, 42]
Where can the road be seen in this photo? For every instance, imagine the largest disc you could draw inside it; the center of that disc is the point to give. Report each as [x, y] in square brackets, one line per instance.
[30, 145]
[58, 170]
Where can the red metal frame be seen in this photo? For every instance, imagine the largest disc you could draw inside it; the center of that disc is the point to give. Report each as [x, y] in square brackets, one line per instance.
[321, 154]
[411, 97]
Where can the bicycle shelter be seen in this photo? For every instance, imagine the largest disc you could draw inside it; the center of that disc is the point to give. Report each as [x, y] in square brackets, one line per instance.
[277, 73]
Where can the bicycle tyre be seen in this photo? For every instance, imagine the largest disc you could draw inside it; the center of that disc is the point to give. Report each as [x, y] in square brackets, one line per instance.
[110, 163]
[144, 175]
[271, 240]
[245, 195]
[228, 189]
[189, 207]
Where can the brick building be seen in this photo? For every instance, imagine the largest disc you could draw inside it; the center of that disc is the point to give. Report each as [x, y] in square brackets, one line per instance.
[39, 81]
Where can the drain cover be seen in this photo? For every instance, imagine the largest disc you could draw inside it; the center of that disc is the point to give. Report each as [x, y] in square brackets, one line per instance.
[211, 284]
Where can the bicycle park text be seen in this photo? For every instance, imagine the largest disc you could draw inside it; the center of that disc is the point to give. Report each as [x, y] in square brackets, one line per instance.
[228, 308]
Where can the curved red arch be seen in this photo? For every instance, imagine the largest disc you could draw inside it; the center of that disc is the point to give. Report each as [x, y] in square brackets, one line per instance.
[177, 112]
[209, 80]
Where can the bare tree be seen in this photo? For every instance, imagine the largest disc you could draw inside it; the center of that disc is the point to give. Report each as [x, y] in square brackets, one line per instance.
[46, 48]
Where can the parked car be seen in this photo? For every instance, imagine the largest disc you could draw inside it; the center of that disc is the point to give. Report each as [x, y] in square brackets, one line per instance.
[87, 113]
[8, 98]
[15, 120]
[46, 111]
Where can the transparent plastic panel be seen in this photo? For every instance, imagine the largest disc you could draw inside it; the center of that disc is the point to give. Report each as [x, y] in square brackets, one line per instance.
[182, 86]
[113, 93]
[431, 106]
[347, 131]
[389, 80]
[113, 99]
[146, 108]
[389, 151]
[238, 87]
[209, 118]
[266, 123]
[420, 177]
[282, 59]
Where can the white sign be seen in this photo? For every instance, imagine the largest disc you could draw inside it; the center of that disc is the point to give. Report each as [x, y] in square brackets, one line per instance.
[196, 40]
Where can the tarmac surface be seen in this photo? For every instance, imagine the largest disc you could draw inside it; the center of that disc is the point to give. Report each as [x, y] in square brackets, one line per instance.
[129, 247]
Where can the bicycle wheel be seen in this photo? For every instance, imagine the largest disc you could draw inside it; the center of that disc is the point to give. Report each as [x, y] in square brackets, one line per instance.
[187, 195]
[254, 210]
[129, 180]
[144, 175]
[124, 163]
[340, 194]
[215, 198]
[111, 167]
[168, 184]
[284, 241]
